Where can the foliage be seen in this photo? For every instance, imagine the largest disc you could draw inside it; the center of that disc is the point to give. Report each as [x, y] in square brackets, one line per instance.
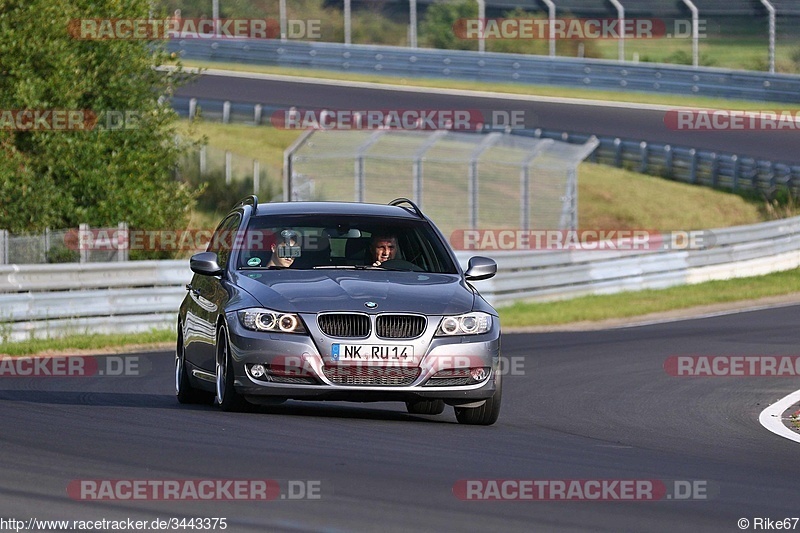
[99, 175]
[436, 29]
[682, 57]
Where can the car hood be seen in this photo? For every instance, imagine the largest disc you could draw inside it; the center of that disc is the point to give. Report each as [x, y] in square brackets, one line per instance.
[346, 290]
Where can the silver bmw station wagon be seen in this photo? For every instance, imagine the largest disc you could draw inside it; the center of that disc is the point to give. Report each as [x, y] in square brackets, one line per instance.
[338, 301]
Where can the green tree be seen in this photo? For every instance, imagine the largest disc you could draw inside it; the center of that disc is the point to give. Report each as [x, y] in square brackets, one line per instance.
[436, 29]
[60, 178]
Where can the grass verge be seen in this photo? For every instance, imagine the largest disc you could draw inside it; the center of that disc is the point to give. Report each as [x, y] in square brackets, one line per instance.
[91, 342]
[509, 88]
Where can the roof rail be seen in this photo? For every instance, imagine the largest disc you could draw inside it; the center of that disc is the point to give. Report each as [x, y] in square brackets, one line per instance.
[248, 200]
[399, 201]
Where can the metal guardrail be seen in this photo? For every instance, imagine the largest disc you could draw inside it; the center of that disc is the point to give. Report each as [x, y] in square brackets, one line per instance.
[737, 252]
[498, 67]
[701, 167]
[41, 301]
[72, 298]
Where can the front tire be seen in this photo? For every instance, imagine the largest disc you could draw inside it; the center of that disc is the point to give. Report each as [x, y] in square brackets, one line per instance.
[486, 414]
[227, 397]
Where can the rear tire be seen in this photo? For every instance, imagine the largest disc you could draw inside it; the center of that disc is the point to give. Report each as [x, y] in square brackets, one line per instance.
[425, 407]
[227, 397]
[486, 414]
[184, 391]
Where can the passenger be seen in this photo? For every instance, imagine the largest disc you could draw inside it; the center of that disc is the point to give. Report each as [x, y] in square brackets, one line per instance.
[284, 250]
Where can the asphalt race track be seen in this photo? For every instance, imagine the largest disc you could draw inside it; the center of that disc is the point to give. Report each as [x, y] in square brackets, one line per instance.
[602, 119]
[591, 405]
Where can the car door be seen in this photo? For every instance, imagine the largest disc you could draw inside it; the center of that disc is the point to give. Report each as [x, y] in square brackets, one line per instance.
[209, 295]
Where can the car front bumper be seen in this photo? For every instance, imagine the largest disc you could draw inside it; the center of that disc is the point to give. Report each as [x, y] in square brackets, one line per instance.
[305, 363]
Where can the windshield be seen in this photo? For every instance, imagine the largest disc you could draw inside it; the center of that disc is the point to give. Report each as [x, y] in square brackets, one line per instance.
[342, 242]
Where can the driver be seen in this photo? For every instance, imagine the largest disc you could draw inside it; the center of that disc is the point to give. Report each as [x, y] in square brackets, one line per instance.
[382, 248]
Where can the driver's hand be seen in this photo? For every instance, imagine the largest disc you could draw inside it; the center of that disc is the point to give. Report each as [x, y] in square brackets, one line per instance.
[376, 264]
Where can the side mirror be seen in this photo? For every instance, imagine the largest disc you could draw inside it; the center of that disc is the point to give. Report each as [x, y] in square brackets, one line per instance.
[205, 263]
[480, 268]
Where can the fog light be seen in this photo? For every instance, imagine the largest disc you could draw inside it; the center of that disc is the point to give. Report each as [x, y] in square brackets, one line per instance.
[479, 374]
[257, 371]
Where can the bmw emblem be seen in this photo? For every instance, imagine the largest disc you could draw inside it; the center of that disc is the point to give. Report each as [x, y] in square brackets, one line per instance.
[370, 305]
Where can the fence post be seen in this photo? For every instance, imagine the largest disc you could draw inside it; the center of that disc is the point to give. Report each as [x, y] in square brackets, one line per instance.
[288, 156]
[617, 152]
[416, 168]
[282, 16]
[525, 197]
[695, 31]
[735, 171]
[643, 156]
[482, 18]
[771, 11]
[472, 185]
[46, 243]
[83, 239]
[256, 177]
[123, 241]
[192, 108]
[668, 156]
[228, 167]
[693, 166]
[347, 23]
[3, 247]
[226, 112]
[621, 25]
[360, 183]
[412, 23]
[257, 114]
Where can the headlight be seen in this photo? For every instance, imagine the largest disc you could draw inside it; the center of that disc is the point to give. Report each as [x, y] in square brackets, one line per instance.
[469, 324]
[272, 321]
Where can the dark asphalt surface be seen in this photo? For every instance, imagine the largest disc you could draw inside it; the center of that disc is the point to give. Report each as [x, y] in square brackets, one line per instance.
[589, 405]
[635, 124]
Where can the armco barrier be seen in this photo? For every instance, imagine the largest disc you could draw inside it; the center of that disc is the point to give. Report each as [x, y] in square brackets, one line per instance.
[53, 300]
[72, 298]
[497, 67]
[546, 275]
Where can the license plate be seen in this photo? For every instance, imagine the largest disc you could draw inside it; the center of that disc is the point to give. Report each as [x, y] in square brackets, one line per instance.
[372, 352]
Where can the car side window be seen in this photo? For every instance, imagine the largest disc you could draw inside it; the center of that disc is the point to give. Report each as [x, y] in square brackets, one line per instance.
[223, 239]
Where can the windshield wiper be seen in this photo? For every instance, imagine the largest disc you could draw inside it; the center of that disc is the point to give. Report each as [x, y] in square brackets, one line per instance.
[347, 267]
